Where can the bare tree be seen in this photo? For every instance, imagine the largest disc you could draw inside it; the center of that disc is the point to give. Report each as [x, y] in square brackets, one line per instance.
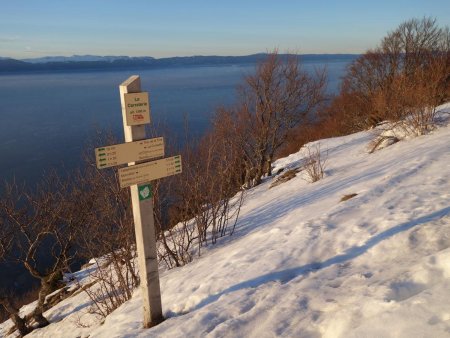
[414, 44]
[411, 101]
[408, 74]
[41, 240]
[278, 97]
[6, 244]
[19, 322]
[203, 203]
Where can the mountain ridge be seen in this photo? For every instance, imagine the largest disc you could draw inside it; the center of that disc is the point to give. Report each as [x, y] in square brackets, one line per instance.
[93, 62]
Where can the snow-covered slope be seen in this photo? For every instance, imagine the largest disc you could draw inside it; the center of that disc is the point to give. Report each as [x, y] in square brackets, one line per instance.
[304, 264]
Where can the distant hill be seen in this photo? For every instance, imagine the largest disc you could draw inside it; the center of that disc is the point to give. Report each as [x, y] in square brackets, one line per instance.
[78, 58]
[92, 62]
[13, 65]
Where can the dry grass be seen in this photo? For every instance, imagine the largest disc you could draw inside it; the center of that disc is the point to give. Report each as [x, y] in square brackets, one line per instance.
[347, 197]
[287, 176]
[315, 163]
[381, 142]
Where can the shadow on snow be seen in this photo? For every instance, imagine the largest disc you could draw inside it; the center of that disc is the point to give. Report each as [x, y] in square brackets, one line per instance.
[287, 275]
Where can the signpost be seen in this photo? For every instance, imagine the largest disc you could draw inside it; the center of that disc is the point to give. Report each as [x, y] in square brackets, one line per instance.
[135, 114]
[113, 155]
[149, 171]
[137, 108]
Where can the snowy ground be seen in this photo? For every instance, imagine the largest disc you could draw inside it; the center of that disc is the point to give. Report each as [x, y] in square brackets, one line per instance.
[303, 264]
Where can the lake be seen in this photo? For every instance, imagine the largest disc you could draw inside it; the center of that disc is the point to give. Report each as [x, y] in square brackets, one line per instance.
[47, 118]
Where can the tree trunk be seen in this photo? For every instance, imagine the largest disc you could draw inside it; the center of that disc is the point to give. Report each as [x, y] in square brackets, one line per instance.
[269, 167]
[47, 286]
[18, 321]
[259, 171]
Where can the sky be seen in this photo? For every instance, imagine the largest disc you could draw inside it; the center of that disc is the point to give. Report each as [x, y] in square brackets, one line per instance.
[164, 28]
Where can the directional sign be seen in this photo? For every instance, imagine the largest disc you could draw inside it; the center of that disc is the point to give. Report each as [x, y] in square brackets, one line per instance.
[149, 171]
[117, 154]
[137, 108]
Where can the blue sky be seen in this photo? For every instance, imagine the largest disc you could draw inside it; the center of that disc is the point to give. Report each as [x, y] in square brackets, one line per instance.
[31, 28]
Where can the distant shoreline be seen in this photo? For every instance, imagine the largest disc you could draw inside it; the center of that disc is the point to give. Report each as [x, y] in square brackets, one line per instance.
[13, 66]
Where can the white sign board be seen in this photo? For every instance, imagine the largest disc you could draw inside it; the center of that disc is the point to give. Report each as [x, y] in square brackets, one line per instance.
[117, 154]
[137, 108]
[149, 171]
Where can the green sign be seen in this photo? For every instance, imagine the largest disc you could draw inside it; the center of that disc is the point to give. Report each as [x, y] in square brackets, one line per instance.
[145, 192]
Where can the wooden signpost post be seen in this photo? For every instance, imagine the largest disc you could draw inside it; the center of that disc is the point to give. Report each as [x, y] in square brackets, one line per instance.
[135, 114]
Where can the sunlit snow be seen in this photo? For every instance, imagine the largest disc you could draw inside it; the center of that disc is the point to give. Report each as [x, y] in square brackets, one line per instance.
[304, 264]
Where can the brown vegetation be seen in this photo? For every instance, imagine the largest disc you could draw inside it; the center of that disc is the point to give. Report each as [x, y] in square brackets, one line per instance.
[402, 80]
[287, 176]
[273, 101]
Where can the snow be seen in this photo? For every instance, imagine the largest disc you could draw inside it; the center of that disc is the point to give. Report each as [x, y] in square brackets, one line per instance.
[301, 263]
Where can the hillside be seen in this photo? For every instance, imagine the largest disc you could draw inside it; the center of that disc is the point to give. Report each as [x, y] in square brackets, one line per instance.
[92, 62]
[303, 263]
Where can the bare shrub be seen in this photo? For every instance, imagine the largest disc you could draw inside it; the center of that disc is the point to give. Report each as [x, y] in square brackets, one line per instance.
[206, 198]
[111, 283]
[106, 234]
[315, 163]
[176, 244]
[411, 100]
[173, 214]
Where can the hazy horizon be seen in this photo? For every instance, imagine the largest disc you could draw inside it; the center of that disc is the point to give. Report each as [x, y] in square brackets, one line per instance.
[167, 29]
[175, 56]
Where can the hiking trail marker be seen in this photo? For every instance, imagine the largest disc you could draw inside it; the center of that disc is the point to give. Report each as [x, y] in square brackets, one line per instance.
[135, 114]
[145, 191]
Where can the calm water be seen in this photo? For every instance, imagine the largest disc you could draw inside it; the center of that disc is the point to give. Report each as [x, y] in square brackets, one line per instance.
[46, 119]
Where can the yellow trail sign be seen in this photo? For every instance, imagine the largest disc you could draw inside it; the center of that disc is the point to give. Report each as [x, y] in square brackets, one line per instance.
[149, 171]
[118, 154]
